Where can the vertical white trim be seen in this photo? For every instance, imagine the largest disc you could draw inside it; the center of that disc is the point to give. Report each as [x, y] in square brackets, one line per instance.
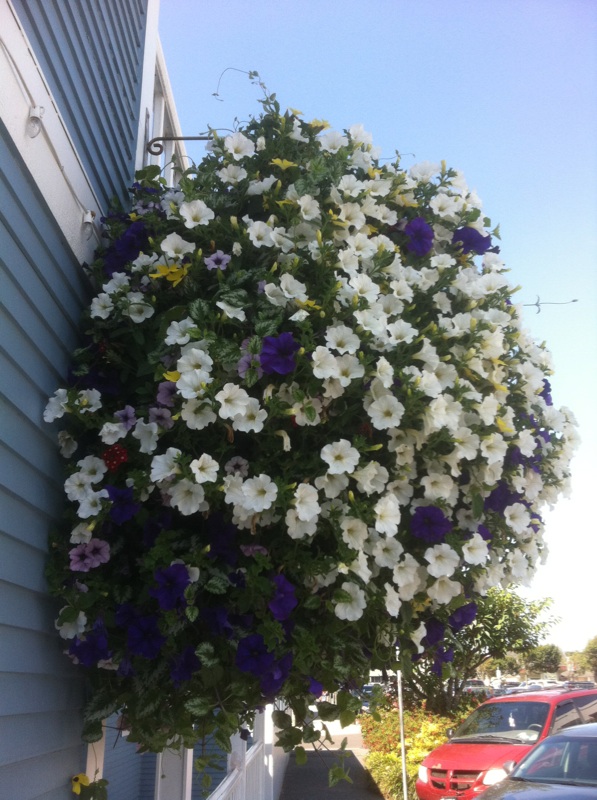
[174, 775]
[94, 768]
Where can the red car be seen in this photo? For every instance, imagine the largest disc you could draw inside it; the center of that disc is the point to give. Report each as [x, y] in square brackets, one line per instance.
[501, 729]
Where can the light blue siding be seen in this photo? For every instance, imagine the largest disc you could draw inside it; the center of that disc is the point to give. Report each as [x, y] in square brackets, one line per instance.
[42, 289]
[91, 52]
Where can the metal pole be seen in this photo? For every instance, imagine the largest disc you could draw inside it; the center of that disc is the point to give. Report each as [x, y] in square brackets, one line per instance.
[402, 742]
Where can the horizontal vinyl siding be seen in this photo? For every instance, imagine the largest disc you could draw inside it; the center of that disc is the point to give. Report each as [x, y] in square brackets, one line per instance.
[91, 52]
[42, 290]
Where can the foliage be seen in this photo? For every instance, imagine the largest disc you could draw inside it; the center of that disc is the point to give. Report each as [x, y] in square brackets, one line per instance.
[87, 789]
[509, 664]
[305, 423]
[590, 656]
[543, 658]
[423, 732]
[504, 624]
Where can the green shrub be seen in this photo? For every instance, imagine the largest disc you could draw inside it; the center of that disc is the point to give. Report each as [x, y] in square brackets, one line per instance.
[423, 732]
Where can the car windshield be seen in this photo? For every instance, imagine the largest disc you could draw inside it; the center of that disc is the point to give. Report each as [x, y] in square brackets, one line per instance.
[522, 722]
[559, 761]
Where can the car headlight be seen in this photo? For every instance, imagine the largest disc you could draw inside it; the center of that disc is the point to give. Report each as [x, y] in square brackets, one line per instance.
[493, 776]
[423, 774]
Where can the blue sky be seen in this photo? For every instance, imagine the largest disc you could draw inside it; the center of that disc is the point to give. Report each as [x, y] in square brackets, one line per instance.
[505, 91]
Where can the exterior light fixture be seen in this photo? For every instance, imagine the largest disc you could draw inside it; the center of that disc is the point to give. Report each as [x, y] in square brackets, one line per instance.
[88, 218]
[34, 121]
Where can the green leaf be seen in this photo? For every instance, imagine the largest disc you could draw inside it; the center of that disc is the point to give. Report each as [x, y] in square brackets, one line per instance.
[199, 706]
[191, 612]
[300, 755]
[281, 719]
[336, 774]
[327, 711]
[347, 718]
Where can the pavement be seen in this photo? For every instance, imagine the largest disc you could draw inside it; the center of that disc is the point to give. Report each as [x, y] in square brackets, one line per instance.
[310, 781]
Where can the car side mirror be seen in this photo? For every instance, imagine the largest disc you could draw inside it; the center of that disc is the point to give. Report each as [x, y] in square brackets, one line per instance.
[509, 766]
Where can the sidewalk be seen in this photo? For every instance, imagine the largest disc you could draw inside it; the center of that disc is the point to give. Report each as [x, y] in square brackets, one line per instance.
[310, 781]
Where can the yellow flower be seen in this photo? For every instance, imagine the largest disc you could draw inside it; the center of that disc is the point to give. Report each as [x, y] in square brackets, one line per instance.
[283, 163]
[296, 112]
[173, 376]
[503, 425]
[319, 123]
[79, 780]
[173, 273]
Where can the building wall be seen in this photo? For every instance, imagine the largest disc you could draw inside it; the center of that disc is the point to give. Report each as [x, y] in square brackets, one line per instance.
[91, 53]
[83, 58]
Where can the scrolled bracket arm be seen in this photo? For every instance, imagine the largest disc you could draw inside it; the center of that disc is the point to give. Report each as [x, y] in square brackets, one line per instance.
[155, 146]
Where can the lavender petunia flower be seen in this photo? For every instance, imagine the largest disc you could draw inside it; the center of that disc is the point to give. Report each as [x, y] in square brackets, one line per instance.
[218, 260]
[166, 392]
[127, 417]
[419, 236]
[430, 524]
[98, 552]
[79, 559]
[278, 354]
[162, 417]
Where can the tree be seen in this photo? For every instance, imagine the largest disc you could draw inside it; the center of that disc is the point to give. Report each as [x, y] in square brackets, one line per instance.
[590, 654]
[504, 624]
[543, 658]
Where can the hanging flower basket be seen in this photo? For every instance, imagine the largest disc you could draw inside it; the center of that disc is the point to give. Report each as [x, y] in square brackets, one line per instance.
[305, 426]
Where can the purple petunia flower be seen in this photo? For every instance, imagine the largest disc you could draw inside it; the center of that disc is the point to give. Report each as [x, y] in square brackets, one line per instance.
[435, 632]
[419, 236]
[441, 657]
[98, 552]
[284, 600]
[273, 680]
[218, 260]
[166, 392]
[484, 533]
[162, 417]
[144, 637]
[123, 506]
[278, 354]
[462, 617]
[92, 648]
[430, 524]
[500, 498]
[315, 687]
[184, 665]
[253, 656]
[546, 392]
[79, 560]
[249, 361]
[471, 240]
[171, 584]
[127, 417]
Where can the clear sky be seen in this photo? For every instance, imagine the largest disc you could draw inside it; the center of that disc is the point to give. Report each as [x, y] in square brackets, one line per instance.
[505, 91]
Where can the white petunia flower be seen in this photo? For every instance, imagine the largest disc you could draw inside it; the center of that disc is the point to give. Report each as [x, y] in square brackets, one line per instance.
[387, 552]
[444, 590]
[438, 486]
[239, 146]
[417, 637]
[232, 174]
[231, 311]
[188, 497]
[407, 577]
[205, 468]
[233, 401]
[56, 406]
[518, 518]
[81, 534]
[476, 550]
[174, 246]
[494, 448]
[349, 368]
[387, 515]
[165, 465]
[443, 560]
[77, 486]
[354, 532]
[332, 485]
[353, 608]
[386, 412]
[251, 419]
[196, 213]
[68, 630]
[306, 502]
[179, 332]
[147, 434]
[324, 363]
[101, 306]
[259, 493]
[298, 528]
[137, 308]
[371, 478]
[392, 600]
[92, 468]
[309, 207]
[260, 234]
[342, 338]
[332, 141]
[91, 504]
[197, 414]
[341, 457]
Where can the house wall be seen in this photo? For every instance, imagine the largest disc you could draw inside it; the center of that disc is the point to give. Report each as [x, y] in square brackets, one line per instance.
[91, 54]
[81, 61]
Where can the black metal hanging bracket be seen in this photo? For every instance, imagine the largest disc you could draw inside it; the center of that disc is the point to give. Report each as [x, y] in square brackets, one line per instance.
[155, 147]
